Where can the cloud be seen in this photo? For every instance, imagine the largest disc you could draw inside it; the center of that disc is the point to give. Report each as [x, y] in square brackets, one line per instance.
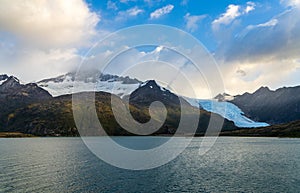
[275, 39]
[111, 5]
[232, 12]
[168, 67]
[132, 12]
[43, 38]
[271, 23]
[151, 3]
[240, 77]
[263, 54]
[184, 2]
[250, 7]
[126, 1]
[192, 21]
[292, 3]
[161, 11]
[36, 64]
[56, 23]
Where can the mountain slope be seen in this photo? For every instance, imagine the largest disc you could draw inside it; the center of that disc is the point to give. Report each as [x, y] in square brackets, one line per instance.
[150, 91]
[15, 95]
[55, 117]
[273, 107]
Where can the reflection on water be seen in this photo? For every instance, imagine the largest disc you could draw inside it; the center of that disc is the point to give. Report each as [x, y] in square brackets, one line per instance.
[233, 164]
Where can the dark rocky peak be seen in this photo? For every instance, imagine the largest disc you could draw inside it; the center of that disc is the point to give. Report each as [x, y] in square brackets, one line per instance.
[150, 84]
[10, 83]
[3, 77]
[262, 90]
[152, 87]
[223, 97]
[12, 89]
[150, 91]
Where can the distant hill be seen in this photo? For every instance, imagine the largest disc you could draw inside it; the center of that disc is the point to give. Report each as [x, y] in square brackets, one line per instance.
[274, 107]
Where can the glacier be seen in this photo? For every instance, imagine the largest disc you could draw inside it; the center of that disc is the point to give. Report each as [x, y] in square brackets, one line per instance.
[227, 110]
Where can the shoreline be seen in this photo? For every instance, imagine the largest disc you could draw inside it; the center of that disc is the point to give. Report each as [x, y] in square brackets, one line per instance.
[15, 135]
[23, 135]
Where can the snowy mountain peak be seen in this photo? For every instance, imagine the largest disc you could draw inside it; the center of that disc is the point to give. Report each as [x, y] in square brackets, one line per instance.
[9, 81]
[153, 85]
[89, 81]
[263, 90]
[223, 97]
[149, 83]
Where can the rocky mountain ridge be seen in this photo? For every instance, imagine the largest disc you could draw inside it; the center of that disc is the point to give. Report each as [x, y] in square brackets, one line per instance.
[274, 107]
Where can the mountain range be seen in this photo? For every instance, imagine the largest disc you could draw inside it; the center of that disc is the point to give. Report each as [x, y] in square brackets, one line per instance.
[45, 108]
[274, 107]
[124, 86]
[32, 110]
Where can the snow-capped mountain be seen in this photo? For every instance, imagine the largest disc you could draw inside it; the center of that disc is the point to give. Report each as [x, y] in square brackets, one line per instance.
[124, 86]
[150, 91]
[224, 97]
[89, 81]
[13, 91]
[226, 110]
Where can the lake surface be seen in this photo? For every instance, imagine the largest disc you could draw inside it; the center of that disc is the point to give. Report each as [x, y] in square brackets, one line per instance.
[232, 165]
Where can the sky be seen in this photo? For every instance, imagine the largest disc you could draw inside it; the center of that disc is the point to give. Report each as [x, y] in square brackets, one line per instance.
[255, 43]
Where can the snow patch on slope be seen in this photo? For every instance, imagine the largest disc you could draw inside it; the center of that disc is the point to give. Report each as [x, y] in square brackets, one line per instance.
[3, 78]
[228, 111]
[2, 81]
[146, 82]
[68, 87]
[66, 84]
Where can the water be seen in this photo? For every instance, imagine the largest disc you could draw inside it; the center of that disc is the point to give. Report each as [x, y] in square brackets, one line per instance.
[232, 165]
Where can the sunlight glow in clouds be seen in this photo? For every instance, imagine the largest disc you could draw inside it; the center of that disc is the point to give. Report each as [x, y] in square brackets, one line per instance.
[265, 53]
[44, 36]
[48, 23]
